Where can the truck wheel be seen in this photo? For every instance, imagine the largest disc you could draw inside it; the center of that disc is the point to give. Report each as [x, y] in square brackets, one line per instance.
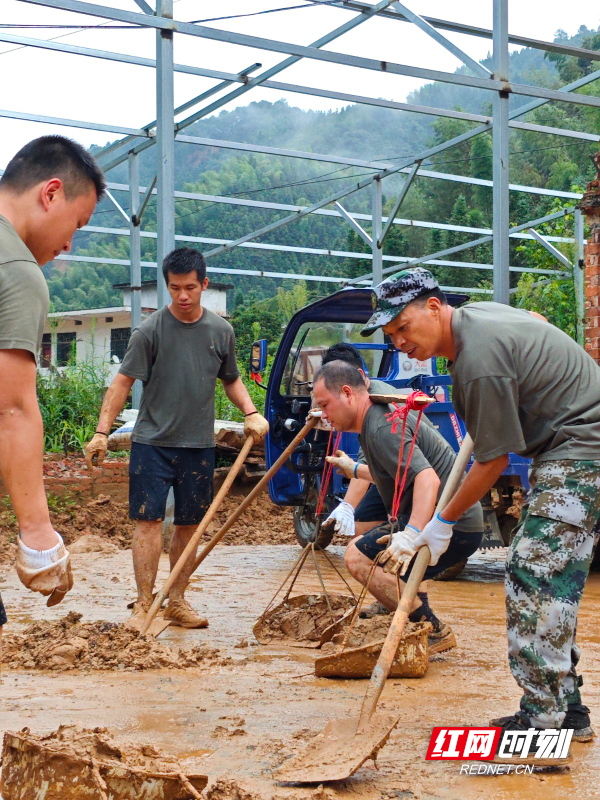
[304, 528]
[452, 572]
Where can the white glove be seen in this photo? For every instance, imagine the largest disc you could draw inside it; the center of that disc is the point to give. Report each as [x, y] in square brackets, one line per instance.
[45, 571]
[436, 535]
[343, 464]
[343, 517]
[400, 550]
[256, 425]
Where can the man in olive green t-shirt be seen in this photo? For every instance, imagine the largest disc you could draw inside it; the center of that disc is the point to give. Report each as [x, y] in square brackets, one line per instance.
[48, 190]
[340, 391]
[179, 352]
[522, 386]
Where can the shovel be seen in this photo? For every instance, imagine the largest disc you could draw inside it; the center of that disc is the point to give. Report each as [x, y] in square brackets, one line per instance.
[347, 743]
[193, 543]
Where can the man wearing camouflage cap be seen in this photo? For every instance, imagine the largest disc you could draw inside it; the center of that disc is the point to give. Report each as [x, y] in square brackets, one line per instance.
[523, 386]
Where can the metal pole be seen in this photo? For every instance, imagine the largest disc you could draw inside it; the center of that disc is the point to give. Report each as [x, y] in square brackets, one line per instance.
[165, 127]
[500, 153]
[135, 255]
[579, 278]
[376, 248]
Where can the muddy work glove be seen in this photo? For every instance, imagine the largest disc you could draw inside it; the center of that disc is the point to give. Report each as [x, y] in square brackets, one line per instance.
[342, 518]
[400, 550]
[436, 535]
[344, 465]
[256, 425]
[45, 571]
[96, 449]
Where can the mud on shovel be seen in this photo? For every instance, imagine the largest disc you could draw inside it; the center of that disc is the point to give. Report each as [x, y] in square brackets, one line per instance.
[345, 744]
[145, 624]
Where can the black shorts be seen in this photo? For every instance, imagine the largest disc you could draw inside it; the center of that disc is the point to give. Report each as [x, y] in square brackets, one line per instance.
[154, 470]
[2, 613]
[371, 508]
[462, 545]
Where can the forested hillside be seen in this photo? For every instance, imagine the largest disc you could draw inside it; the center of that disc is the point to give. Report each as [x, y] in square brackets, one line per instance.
[367, 133]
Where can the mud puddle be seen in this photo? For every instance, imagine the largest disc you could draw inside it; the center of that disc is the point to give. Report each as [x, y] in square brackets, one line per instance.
[71, 644]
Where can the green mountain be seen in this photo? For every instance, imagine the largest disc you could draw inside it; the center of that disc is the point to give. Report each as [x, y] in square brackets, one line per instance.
[356, 131]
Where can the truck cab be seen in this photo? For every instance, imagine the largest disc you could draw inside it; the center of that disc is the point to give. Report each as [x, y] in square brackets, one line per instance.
[313, 329]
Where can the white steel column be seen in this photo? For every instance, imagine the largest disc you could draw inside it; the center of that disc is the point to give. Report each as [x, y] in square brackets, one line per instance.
[135, 276]
[500, 154]
[165, 139]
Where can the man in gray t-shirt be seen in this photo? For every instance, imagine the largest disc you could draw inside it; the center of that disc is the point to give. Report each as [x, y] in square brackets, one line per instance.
[48, 190]
[340, 391]
[178, 353]
[521, 385]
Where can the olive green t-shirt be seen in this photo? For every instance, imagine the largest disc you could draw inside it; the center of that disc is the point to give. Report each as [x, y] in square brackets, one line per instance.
[523, 386]
[24, 299]
[179, 363]
[382, 449]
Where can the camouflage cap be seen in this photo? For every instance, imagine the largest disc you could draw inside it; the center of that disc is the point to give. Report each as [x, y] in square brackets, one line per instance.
[391, 296]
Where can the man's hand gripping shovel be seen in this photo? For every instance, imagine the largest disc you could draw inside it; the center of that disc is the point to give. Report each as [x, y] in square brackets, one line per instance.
[345, 744]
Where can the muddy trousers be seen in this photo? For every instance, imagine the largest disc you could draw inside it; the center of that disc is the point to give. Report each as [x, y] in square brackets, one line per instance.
[546, 570]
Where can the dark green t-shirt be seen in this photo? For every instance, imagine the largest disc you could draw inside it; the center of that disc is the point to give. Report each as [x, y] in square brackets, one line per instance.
[523, 386]
[179, 363]
[24, 298]
[382, 449]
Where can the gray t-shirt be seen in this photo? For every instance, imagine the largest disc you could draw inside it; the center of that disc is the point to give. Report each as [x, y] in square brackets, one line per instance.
[179, 363]
[523, 386]
[378, 387]
[24, 299]
[382, 449]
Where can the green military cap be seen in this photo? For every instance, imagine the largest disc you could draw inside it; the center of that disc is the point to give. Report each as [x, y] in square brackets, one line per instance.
[391, 296]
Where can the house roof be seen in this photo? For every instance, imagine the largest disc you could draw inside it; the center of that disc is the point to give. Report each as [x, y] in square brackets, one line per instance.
[91, 312]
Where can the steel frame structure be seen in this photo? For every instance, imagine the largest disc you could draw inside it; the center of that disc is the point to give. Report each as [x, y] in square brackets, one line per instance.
[165, 132]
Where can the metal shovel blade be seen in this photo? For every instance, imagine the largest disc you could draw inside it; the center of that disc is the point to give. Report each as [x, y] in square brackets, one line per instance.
[338, 751]
[157, 626]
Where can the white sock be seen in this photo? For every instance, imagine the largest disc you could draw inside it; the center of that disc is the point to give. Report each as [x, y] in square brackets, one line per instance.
[38, 559]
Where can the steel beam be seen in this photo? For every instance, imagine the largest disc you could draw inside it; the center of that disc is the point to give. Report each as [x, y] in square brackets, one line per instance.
[135, 255]
[376, 215]
[170, 26]
[117, 205]
[165, 139]
[144, 6]
[427, 28]
[501, 217]
[358, 228]
[551, 249]
[399, 201]
[578, 277]
[73, 123]
[468, 245]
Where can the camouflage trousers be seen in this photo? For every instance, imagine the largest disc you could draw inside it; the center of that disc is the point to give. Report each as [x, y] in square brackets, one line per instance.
[546, 570]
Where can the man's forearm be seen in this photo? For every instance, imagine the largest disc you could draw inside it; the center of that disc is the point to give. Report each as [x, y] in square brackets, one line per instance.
[357, 489]
[114, 400]
[238, 394]
[479, 480]
[425, 491]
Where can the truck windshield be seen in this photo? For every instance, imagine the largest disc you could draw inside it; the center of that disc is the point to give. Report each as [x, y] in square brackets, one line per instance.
[310, 342]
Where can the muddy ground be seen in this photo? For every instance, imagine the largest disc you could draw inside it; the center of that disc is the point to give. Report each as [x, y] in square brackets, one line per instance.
[236, 720]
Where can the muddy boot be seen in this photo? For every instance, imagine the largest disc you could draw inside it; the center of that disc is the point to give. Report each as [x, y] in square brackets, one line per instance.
[374, 610]
[521, 723]
[181, 613]
[577, 719]
[441, 638]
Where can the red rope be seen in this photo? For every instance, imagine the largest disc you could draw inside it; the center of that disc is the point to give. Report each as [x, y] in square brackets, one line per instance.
[400, 413]
[327, 470]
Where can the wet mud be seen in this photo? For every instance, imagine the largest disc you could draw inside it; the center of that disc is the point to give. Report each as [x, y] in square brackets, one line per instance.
[75, 762]
[302, 619]
[71, 644]
[364, 631]
[271, 693]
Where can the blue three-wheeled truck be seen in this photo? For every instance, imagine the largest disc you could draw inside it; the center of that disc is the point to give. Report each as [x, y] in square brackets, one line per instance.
[339, 318]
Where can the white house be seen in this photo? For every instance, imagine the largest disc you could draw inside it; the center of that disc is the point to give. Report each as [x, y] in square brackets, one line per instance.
[103, 333]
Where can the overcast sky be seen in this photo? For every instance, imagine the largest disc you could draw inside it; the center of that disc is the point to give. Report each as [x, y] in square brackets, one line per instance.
[76, 87]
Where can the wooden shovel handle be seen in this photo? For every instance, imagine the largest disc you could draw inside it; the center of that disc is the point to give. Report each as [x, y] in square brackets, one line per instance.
[312, 421]
[198, 533]
[400, 618]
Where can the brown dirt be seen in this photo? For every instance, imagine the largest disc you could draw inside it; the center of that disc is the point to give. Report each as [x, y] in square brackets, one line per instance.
[70, 644]
[77, 762]
[262, 523]
[229, 789]
[363, 632]
[305, 622]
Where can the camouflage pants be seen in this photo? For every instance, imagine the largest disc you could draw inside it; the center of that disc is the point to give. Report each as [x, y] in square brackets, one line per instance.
[547, 566]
